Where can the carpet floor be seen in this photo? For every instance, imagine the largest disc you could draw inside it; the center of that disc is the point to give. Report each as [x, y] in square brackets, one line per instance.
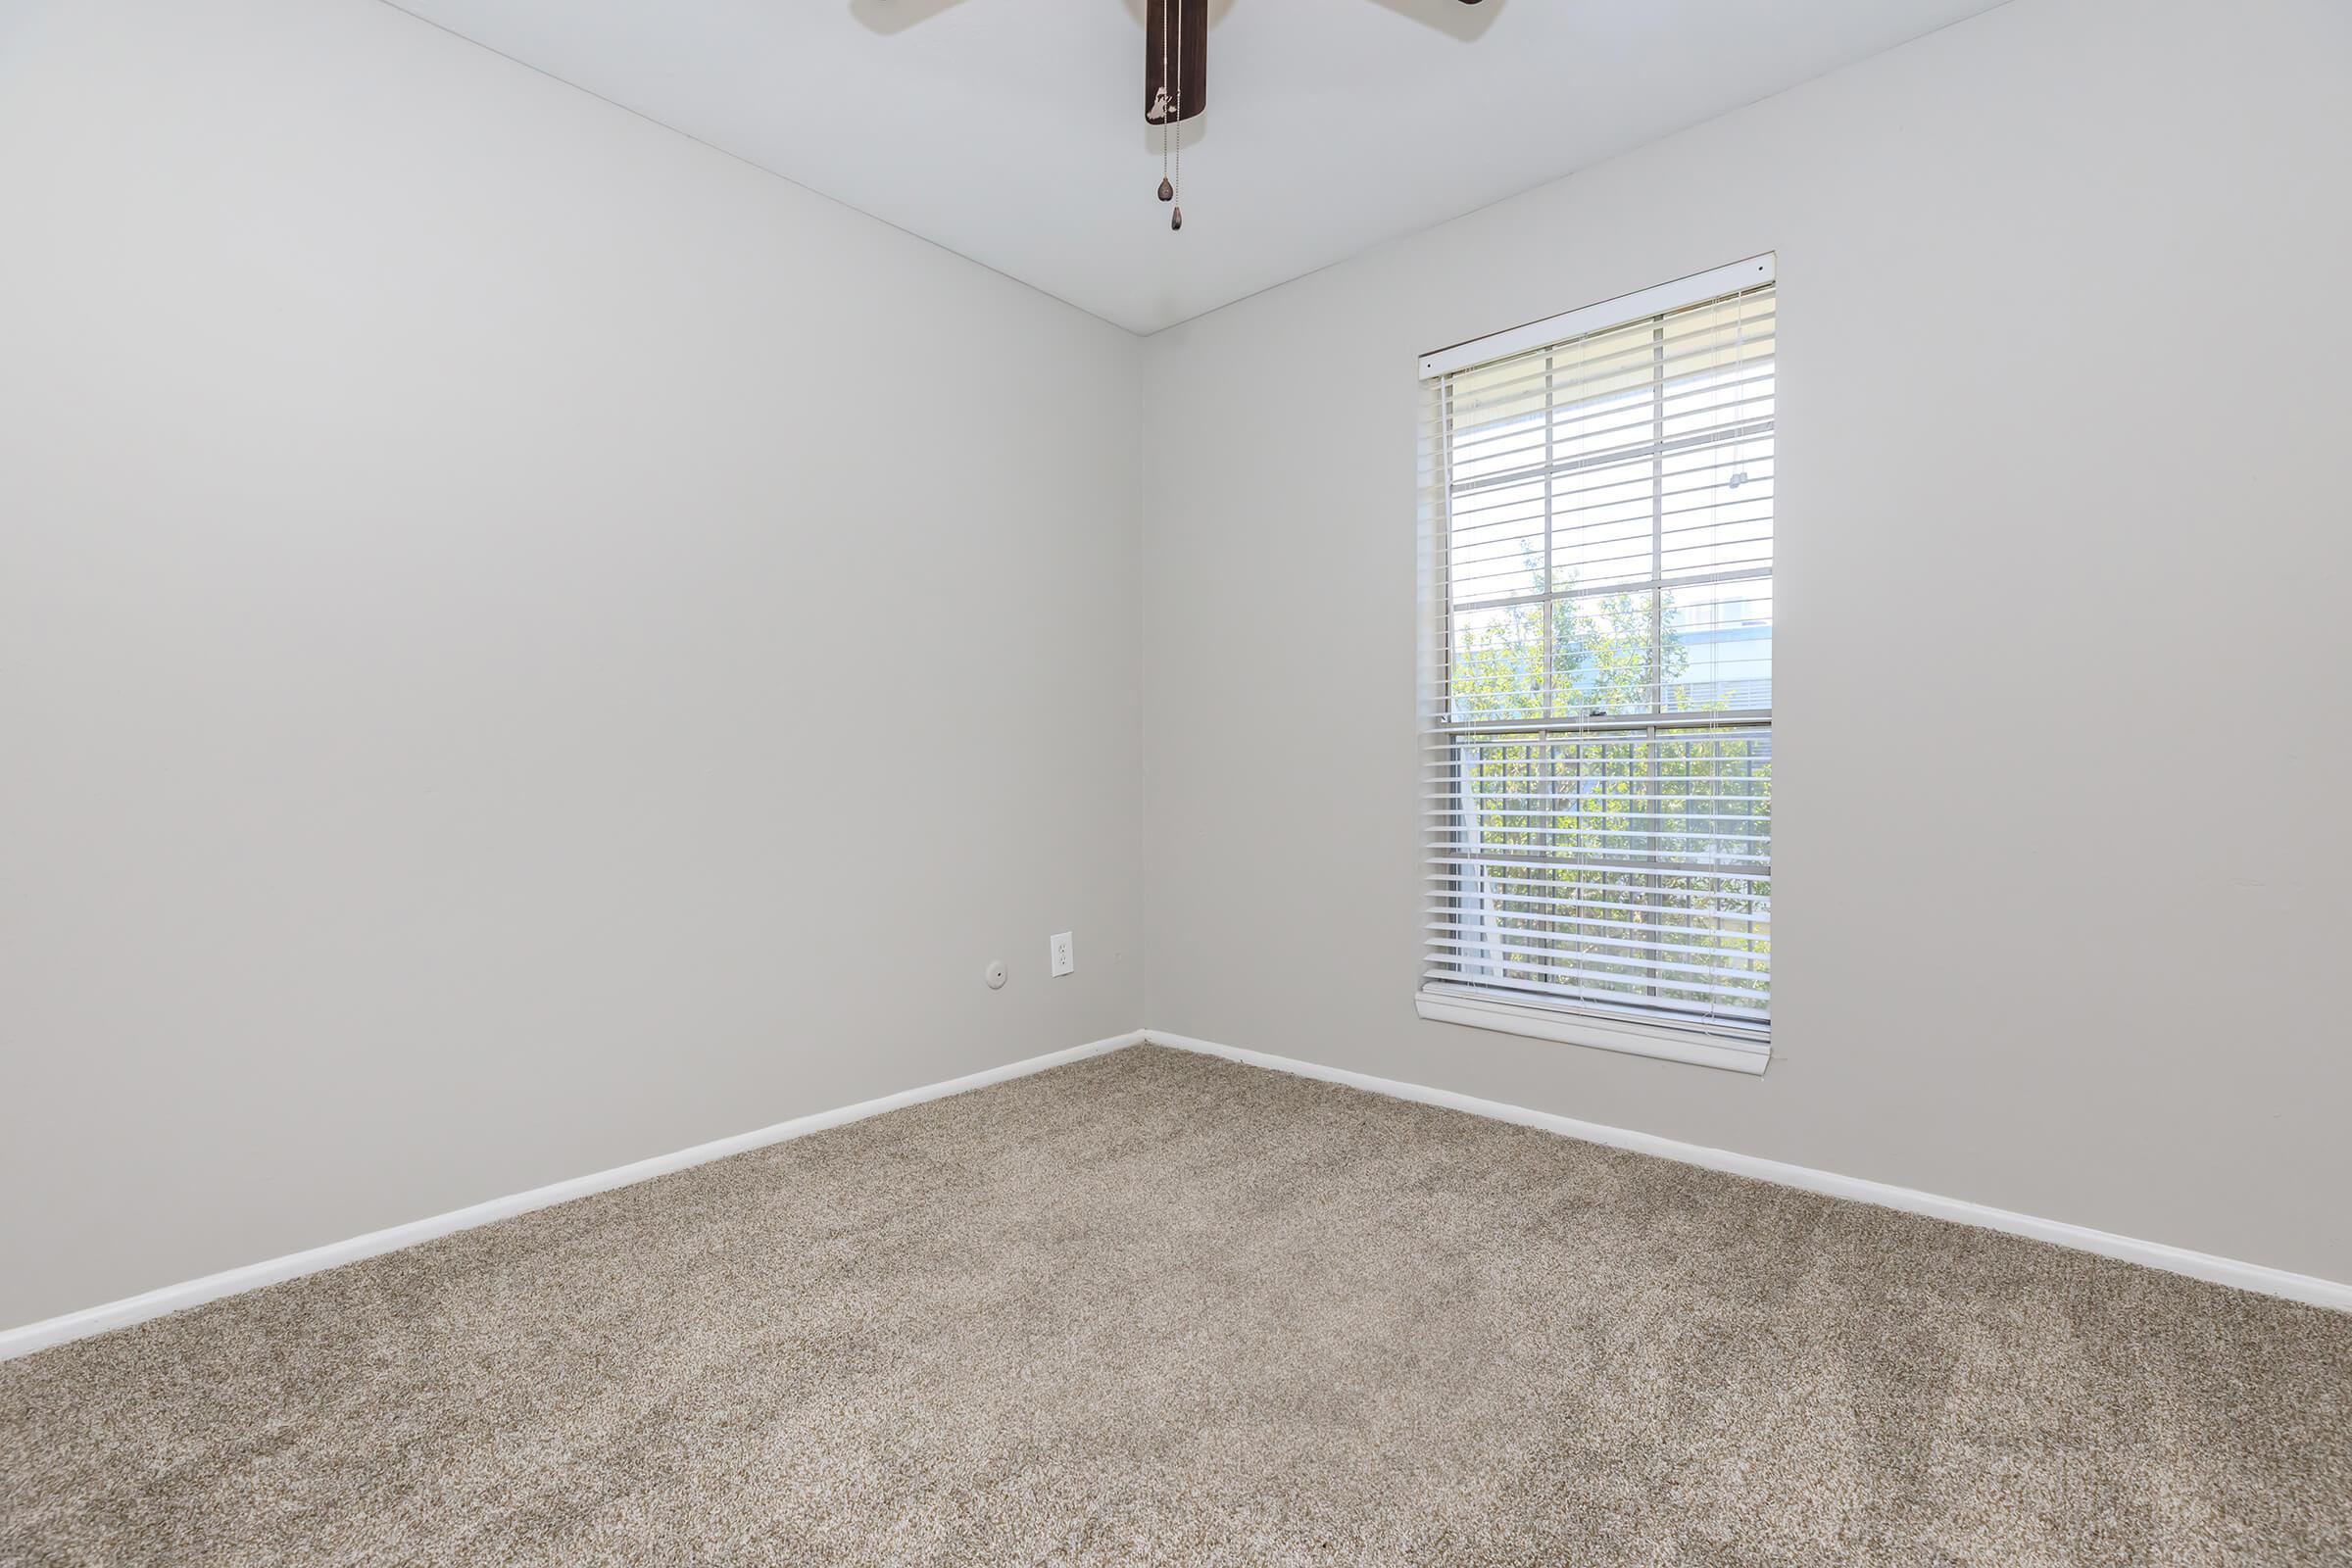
[1154, 1308]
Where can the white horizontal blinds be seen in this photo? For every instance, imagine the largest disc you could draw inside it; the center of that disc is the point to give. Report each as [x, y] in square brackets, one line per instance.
[1599, 765]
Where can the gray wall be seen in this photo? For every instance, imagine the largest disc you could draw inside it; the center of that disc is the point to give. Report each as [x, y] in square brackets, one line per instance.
[524, 643]
[2061, 919]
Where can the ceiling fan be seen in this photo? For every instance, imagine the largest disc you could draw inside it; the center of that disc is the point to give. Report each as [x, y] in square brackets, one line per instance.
[1175, 58]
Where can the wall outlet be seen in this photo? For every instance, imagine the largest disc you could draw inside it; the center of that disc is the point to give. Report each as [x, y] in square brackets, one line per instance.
[1064, 953]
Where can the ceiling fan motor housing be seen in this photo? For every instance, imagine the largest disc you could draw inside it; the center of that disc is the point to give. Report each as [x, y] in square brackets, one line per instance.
[1176, 45]
[1181, 53]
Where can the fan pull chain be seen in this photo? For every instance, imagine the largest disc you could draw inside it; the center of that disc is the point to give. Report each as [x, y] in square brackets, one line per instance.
[1176, 217]
[1159, 105]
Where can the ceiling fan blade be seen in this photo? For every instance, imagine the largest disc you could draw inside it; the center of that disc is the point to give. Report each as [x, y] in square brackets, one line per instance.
[1461, 19]
[895, 15]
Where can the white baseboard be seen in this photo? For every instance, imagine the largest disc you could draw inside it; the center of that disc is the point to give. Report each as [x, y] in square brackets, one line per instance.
[194, 1293]
[2154, 1254]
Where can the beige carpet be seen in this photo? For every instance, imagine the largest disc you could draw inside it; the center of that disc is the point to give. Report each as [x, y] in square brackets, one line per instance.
[1159, 1309]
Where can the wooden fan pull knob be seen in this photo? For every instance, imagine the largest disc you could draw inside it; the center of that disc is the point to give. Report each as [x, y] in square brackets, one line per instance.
[1167, 192]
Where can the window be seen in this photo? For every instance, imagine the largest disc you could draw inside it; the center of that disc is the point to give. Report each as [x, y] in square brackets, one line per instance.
[1598, 675]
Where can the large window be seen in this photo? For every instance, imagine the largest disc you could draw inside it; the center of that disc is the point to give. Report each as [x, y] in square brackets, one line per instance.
[1598, 684]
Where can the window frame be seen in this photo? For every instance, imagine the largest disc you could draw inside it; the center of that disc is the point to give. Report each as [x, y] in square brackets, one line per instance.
[1573, 1021]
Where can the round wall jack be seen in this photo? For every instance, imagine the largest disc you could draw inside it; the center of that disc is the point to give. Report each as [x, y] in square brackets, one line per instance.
[994, 974]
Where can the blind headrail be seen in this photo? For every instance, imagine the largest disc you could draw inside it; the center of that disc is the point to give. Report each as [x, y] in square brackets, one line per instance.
[1698, 287]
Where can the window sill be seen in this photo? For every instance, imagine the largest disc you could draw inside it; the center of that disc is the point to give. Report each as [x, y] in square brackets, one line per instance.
[1602, 1034]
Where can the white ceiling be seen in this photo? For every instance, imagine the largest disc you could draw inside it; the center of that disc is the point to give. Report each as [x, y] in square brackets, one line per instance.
[1012, 132]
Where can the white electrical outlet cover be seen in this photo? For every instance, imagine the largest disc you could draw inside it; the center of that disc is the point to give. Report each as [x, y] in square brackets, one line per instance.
[1061, 954]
